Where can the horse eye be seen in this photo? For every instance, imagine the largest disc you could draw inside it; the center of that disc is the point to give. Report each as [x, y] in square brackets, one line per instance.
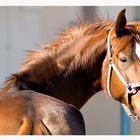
[123, 60]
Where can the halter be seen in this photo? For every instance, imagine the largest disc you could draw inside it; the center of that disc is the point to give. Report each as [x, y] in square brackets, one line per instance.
[131, 88]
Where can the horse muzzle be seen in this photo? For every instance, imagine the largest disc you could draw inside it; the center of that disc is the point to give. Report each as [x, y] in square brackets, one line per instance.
[135, 103]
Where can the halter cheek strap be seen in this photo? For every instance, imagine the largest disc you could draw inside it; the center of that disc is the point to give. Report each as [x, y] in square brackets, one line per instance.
[130, 87]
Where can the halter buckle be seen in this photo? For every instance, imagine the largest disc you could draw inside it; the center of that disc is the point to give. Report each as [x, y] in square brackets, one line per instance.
[130, 89]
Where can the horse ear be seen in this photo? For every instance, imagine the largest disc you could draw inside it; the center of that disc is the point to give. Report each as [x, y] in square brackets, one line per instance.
[120, 23]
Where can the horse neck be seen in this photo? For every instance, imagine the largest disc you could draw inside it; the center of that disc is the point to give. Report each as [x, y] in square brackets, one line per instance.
[71, 80]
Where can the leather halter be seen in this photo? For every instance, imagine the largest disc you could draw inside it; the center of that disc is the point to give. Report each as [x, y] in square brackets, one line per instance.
[131, 88]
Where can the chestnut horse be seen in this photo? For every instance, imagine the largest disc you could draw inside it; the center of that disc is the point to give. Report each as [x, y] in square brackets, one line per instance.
[80, 62]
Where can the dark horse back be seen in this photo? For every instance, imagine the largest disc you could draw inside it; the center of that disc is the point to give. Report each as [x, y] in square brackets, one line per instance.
[59, 117]
[31, 113]
[75, 120]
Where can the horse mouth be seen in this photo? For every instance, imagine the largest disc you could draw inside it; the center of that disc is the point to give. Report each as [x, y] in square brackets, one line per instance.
[135, 103]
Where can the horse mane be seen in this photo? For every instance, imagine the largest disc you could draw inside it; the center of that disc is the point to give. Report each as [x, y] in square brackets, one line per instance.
[71, 50]
[66, 40]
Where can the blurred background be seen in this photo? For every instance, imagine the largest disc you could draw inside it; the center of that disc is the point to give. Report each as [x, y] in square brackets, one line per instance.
[26, 28]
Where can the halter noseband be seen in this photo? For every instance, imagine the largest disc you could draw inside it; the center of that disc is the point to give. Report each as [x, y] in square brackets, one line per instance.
[131, 88]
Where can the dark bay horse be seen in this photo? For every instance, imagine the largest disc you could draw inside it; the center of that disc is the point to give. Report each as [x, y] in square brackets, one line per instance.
[80, 62]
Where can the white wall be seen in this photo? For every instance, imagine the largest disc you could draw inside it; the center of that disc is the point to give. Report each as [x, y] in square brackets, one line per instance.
[3, 44]
[102, 115]
[112, 11]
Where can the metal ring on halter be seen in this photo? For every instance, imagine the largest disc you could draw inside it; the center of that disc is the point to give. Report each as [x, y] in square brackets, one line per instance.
[110, 60]
[130, 87]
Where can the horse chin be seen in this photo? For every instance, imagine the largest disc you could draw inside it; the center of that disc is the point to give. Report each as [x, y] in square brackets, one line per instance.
[135, 103]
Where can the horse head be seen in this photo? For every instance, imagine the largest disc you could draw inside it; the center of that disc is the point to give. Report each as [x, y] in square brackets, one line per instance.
[121, 68]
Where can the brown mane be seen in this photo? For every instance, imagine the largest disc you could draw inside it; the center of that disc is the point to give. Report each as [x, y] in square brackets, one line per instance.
[76, 55]
[58, 50]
